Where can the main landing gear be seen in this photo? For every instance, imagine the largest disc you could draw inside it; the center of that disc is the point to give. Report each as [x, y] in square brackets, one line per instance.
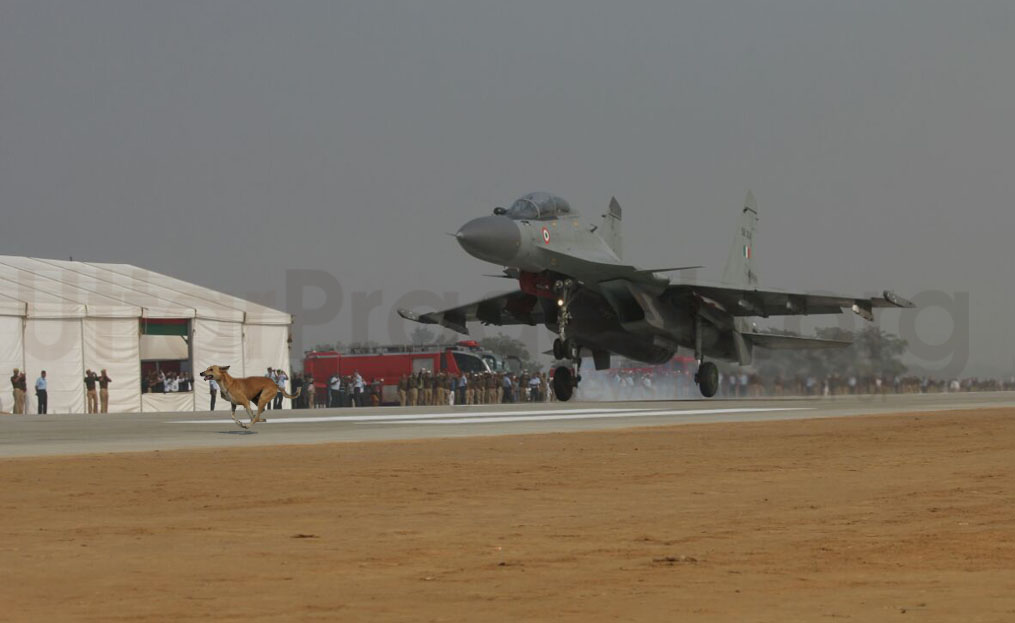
[565, 381]
[707, 376]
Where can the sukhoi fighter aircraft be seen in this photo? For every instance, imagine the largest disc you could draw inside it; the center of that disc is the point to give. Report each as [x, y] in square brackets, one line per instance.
[573, 280]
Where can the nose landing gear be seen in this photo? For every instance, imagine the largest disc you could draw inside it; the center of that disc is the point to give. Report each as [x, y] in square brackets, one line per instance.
[565, 381]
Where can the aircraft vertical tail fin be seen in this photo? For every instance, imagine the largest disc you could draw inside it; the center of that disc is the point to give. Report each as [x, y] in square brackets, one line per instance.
[609, 231]
[739, 270]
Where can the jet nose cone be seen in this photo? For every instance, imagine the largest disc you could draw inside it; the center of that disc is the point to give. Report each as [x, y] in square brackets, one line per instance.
[494, 239]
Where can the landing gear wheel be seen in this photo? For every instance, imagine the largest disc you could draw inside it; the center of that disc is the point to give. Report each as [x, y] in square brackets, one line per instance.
[707, 379]
[563, 383]
[558, 349]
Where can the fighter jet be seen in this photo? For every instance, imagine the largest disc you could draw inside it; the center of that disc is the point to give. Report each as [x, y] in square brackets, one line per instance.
[573, 280]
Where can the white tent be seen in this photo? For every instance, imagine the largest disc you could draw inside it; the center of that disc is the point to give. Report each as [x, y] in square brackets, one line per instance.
[65, 317]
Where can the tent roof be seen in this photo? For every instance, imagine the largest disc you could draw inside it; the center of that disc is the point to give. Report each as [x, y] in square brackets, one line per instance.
[57, 288]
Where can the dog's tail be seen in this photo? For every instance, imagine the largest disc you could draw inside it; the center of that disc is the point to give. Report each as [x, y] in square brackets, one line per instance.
[283, 392]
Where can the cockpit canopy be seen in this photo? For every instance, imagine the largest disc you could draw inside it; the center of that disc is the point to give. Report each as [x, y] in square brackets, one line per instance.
[538, 207]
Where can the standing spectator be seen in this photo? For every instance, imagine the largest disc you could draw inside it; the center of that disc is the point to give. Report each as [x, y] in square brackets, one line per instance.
[213, 391]
[334, 385]
[104, 382]
[357, 389]
[507, 389]
[463, 384]
[18, 385]
[271, 375]
[281, 379]
[311, 391]
[414, 390]
[40, 393]
[534, 384]
[403, 390]
[93, 399]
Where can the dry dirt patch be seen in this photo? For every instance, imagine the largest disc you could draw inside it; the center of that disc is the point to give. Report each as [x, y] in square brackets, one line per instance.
[906, 517]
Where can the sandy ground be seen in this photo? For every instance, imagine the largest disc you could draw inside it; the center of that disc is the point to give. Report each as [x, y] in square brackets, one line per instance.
[878, 518]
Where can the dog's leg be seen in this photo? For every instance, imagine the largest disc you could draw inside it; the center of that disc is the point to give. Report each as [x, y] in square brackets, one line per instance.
[262, 402]
[250, 412]
[236, 419]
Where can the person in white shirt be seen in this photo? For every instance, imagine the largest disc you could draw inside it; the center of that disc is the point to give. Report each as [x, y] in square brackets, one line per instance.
[271, 375]
[334, 386]
[357, 388]
[281, 379]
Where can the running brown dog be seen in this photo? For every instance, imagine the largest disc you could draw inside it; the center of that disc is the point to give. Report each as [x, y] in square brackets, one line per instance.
[257, 389]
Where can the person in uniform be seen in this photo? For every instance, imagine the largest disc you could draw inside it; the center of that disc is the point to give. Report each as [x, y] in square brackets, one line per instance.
[93, 398]
[18, 385]
[440, 384]
[427, 390]
[491, 389]
[403, 390]
[413, 390]
[104, 382]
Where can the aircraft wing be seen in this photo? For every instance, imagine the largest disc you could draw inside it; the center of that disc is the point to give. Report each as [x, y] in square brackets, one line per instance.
[765, 303]
[774, 341]
[505, 309]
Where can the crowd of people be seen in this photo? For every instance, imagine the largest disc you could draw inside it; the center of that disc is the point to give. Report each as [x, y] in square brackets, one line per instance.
[427, 389]
[664, 384]
[421, 389]
[159, 382]
[424, 388]
[97, 403]
[19, 385]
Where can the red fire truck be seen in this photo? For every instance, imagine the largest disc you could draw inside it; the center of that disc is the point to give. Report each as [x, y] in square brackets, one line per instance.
[386, 364]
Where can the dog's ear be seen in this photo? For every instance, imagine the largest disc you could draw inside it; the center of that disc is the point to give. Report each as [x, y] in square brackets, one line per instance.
[223, 368]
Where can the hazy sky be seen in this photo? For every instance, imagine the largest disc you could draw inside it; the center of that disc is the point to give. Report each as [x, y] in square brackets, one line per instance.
[225, 142]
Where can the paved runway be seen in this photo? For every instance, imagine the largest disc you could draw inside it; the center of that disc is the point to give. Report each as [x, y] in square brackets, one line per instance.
[35, 435]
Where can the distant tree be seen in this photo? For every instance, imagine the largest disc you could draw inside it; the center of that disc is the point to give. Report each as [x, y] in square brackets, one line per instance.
[361, 344]
[509, 348]
[422, 335]
[872, 352]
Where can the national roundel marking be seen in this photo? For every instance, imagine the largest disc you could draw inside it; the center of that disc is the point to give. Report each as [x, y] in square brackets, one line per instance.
[546, 235]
